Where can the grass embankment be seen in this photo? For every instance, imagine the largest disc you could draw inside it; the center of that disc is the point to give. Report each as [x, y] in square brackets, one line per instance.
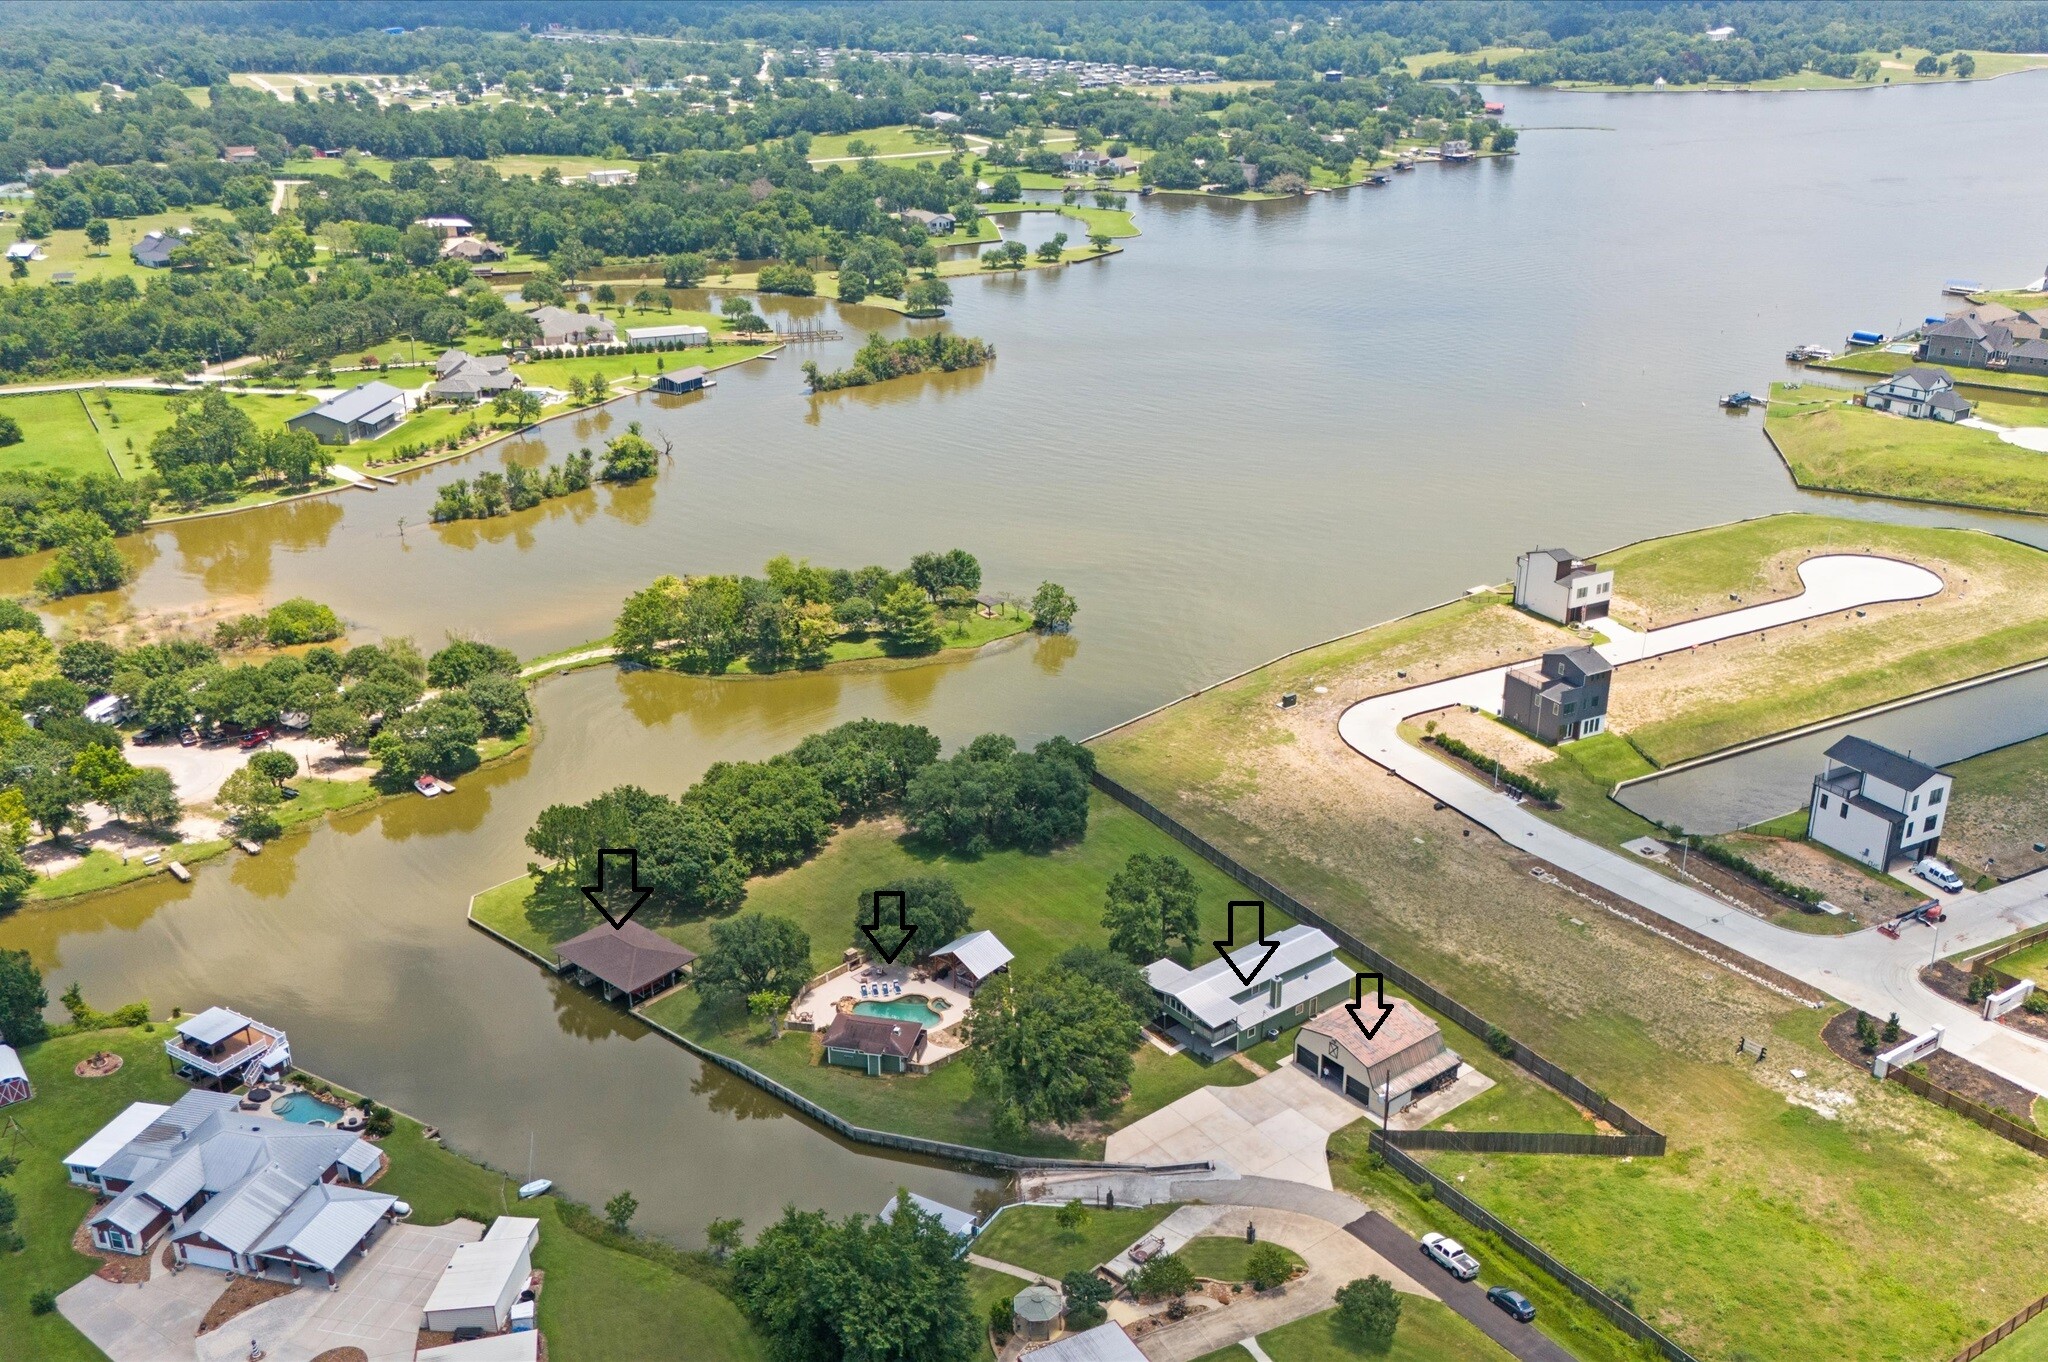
[1430, 1331]
[1830, 444]
[1038, 905]
[1792, 1215]
[1030, 1237]
[601, 1302]
[1110, 222]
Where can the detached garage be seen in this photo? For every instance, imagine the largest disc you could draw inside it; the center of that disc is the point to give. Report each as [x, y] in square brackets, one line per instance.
[484, 1279]
[1404, 1059]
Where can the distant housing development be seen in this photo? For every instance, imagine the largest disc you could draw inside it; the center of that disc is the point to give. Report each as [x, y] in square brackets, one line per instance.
[1212, 1009]
[1559, 586]
[1874, 805]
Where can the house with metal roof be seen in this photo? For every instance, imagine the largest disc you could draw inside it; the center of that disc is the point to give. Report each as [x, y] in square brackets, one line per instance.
[690, 380]
[667, 336]
[1561, 697]
[14, 1084]
[1404, 1058]
[1875, 805]
[560, 326]
[1919, 392]
[1104, 1343]
[362, 413]
[958, 1223]
[628, 961]
[969, 960]
[83, 1163]
[152, 250]
[483, 1279]
[878, 1045]
[462, 377]
[234, 1190]
[222, 1048]
[1213, 1009]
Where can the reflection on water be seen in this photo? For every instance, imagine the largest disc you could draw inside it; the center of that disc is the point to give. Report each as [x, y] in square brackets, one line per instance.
[1053, 651]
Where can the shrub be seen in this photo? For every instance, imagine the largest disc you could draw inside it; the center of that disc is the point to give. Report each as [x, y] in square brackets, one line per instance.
[1736, 861]
[1500, 1042]
[1000, 1316]
[1506, 775]
[1267, 1266]
[42, 1301]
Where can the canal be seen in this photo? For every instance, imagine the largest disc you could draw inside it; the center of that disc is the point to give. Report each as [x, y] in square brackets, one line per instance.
[1260, 425]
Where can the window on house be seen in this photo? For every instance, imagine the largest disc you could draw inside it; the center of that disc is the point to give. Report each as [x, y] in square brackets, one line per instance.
[1916, 805]
[1823, 801]
[1845, 808]
[1934, 796]
[1582, 593]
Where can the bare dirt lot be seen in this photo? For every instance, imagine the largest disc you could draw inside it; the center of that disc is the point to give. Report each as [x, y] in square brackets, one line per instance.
[1866, 897]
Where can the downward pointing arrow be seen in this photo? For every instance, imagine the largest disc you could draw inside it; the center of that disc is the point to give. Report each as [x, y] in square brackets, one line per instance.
[1230, 930]
[600, 897]
[1380, 1007]
[909, 929]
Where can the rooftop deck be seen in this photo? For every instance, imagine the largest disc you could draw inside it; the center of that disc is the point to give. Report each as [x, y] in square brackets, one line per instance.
[229, 1055]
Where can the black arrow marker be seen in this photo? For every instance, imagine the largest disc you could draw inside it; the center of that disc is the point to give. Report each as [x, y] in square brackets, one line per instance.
[1382, 1009]
[867, 929]
[598, 896]
[1230, 926]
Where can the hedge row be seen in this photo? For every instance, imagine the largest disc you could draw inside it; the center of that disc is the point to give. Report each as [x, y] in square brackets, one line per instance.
[1507, 776]
[1741, 864]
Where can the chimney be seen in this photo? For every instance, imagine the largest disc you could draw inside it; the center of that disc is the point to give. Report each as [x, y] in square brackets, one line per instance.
[1273, 994]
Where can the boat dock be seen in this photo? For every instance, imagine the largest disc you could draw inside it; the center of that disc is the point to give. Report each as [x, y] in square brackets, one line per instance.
[180, 873]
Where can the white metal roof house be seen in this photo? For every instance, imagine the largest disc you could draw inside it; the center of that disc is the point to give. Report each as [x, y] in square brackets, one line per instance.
[84, 1162]
[1104, 1343]
[678, 334]
[236, 1191]
[958, 1223]
[1218, 1011]
[1874, 805]
[221, 1047]
[362, 413]
[1404, 1058]
[523, 1346]
[973, 957]
[24, 250]
[484, 1278]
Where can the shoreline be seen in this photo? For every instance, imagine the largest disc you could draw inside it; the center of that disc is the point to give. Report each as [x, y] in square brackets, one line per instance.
[597, 654]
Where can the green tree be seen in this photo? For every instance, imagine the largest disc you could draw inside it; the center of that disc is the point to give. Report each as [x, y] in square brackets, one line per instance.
[439, 736]
[1100, 241]
[687, 859]
[894, 1288]
[1151, 903]
[777, 812]
[300, 620]
[932, 907]
[1926, 66]
[1369, 1310]
[909, 620]
[928, 296]
[251, 802]
[88, 662]
[1071, 1216]
[750, 954]
[1165, 1276]
[1267, 1266]
[768, 1006]
[619, 1211]
[866, 764]
[464, 660]
[274, 766]
[1052, 609]
[97, 233]
[1049, 1047]
[88, 564]
[520, 404]
[103, 773]
[22, 1000]
[723, 1236]
[150, 799]
[1086, 1294]
[1963, 64]
[629, 458]
[1114, 972]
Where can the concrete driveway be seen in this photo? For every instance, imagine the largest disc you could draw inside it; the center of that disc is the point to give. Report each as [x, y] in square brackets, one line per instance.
[376, 1308]
[1277, 1127]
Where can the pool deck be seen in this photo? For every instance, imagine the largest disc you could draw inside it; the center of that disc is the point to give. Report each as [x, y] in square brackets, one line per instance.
[815, 1007]
[282, 1096]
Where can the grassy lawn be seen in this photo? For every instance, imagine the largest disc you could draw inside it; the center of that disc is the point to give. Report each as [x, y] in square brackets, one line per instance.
[1030, 1237]
[602, 1302]
[1832, 445]
[1430, 1331]
[881, 142]
[104, 870]
[986, 1287]
[1992, 614]
[1422, 61]
[2031, 963]
[299, 169]
[1895, 67]
[57, 434]
[1223, 1259]
[1999, 810]
[67, 248]
[1110, 222]
[1770, 1228]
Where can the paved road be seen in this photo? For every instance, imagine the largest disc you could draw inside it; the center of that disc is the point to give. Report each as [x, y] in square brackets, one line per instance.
[1865, 970]
[1525, 1341]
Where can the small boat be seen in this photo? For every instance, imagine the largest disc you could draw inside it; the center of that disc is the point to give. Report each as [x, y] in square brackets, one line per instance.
[1809, 353]
[1738, 401]
[251, 847]
[427, 786]
[1376, 181]
[1961, 288]
[180, 873]
[538, 1187]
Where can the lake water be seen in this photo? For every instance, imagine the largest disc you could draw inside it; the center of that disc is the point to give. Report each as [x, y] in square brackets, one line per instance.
[1261, 425]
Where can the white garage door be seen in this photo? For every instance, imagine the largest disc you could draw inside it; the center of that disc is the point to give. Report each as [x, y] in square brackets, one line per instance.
[210, 1257]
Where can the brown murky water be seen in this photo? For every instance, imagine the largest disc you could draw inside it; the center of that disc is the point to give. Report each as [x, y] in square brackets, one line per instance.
[1260, 426]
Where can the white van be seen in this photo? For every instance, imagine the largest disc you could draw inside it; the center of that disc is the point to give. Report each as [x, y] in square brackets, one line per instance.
[1939, 875]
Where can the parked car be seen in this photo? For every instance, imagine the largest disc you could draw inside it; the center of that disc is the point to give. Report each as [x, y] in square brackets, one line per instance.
[1938, 875]
[188, 737]
[1512, 1301]
[255, 739]
[1451, 1256]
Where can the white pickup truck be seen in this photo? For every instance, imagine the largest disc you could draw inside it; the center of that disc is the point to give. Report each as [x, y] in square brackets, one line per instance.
[1451, 1256]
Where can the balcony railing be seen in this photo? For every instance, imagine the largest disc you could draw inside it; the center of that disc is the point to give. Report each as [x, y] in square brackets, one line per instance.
[228, 1061]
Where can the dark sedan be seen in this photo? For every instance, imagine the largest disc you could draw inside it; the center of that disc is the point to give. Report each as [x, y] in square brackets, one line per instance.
[1512, 1301]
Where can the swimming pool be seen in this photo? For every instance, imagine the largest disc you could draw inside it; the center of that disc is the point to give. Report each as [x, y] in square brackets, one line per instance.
[305, 1109]
[910, 1007]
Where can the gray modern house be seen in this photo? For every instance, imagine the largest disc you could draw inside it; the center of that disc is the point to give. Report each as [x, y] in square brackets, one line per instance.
[1560, 698]
[362, 413]
[462, 377]
[1215, 1010]
[1920, 392]
[560, 326]
[1988, 336]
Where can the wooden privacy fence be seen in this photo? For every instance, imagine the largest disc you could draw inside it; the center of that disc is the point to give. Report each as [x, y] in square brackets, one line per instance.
[2012, 947]
[1623, 1318]
[1962, 1106]
[1527, 1142]
[1650, 1142]
[2002, 1332]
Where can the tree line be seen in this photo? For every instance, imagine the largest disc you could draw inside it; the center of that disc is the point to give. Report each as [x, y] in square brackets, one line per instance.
[881, 359]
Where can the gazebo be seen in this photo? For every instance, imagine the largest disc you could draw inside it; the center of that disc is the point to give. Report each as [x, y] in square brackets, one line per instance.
[628, 961]
[1037, 1308]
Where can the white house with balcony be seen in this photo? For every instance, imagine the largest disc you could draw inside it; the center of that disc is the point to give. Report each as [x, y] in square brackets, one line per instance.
[221, 1048]
[1560, 586]
[1213, 1009]
[1875, 805]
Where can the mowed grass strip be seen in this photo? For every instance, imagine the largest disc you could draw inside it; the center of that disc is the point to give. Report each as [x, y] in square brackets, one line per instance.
[1430, 1331]
[1838, 447]
[57, 435]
